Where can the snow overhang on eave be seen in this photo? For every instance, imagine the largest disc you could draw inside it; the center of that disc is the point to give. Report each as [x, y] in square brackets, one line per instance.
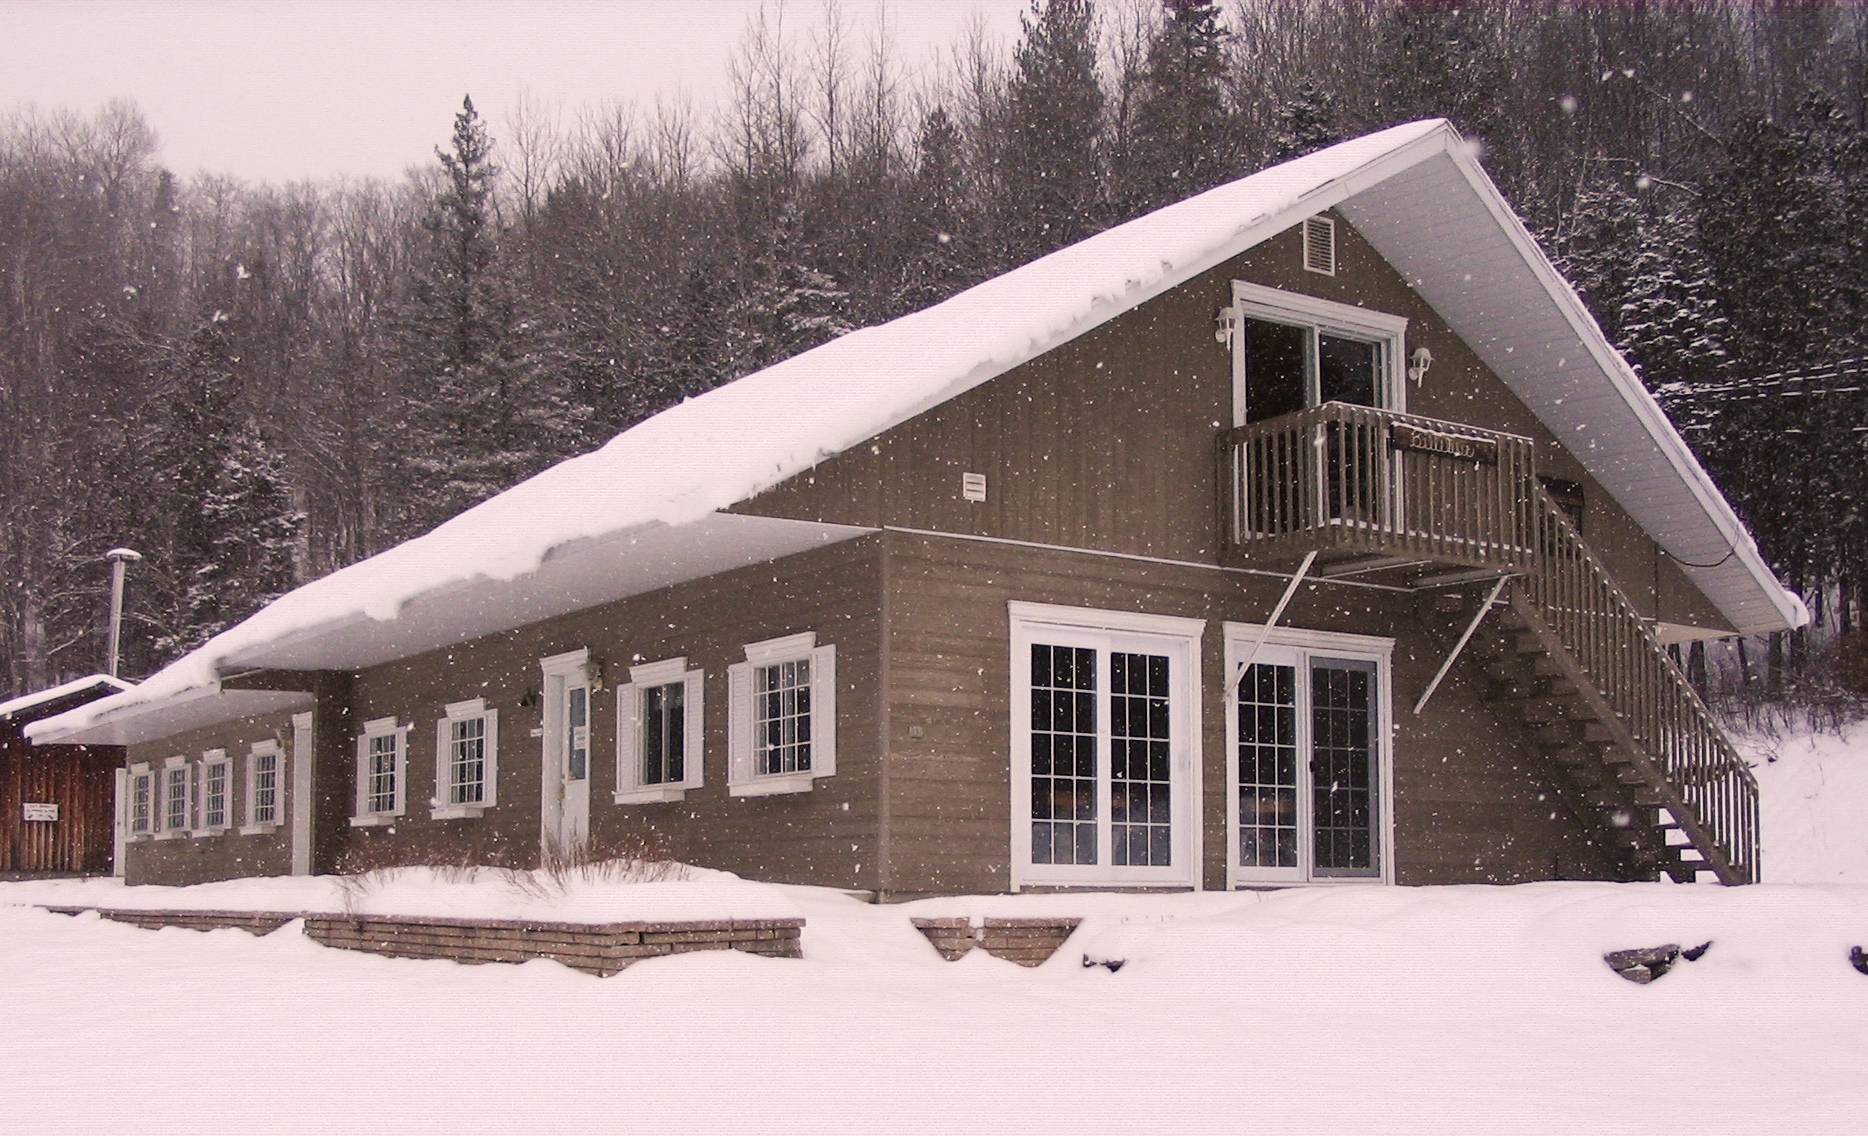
[1443, 225]
[572, 577]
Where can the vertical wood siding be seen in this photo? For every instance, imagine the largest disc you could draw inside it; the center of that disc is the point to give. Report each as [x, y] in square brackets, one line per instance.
[79, 780]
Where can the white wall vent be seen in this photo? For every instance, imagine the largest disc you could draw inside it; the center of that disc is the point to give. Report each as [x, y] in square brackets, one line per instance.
[1320, 245]
[973, 486]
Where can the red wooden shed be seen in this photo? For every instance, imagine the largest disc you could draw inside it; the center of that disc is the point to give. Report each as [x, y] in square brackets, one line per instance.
[56, 801]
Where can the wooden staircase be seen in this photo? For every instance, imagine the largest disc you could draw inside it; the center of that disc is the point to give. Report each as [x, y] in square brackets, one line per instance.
[1573, 660]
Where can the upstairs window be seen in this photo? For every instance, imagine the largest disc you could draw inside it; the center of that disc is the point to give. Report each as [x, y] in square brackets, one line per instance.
[1294, 351]
[659, 719]
[781, 716]
[466, 760]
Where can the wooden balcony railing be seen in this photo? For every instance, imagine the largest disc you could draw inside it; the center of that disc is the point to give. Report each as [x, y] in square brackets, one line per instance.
[1354, 480]
[1677, 744]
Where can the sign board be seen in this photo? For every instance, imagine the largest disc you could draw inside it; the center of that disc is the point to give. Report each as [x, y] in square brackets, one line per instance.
[1482, 450]
[39, 810]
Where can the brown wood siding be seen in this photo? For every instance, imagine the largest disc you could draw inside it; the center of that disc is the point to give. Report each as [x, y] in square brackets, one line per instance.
[1473, 803]
[78, 779]
[1107, 441]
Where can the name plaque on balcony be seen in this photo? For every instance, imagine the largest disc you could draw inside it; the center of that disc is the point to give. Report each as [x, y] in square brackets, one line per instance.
[1402, 436]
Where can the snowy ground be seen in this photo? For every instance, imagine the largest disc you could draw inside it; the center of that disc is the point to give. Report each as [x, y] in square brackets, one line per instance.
[1399, 1010]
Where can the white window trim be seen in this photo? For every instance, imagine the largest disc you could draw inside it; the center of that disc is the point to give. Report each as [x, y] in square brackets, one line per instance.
[136, 770]
[209, 759]
[629, 787]
[249, 795]
[453, 712]
[742, 781]
[163, 830]
[1240, 641]
[1027, 619]
[361, 817]
[1255, 301]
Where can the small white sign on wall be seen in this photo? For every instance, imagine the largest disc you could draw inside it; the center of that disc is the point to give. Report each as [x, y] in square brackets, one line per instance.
[39, 810]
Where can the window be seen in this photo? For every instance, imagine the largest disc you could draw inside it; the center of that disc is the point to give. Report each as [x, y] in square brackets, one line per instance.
[175, 804]
[1295, 351]
[659, 719]
[216, 805]
[1104, 747]
[466, 760]
[382, 772]
[1310, 769]
[142, 799]
[781, 716]
[263, 764]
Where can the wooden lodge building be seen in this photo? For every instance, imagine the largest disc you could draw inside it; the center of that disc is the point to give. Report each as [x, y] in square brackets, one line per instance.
[56, 801]
[1307, 531]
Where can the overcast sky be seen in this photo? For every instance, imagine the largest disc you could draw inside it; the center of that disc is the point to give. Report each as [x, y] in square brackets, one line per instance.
[275, 90]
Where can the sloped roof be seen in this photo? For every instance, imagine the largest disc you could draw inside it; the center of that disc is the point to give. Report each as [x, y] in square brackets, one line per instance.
[586, 530]
[26, 703]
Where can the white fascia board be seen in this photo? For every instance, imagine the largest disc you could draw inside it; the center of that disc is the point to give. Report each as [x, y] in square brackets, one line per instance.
[54, 693]
[188, 709]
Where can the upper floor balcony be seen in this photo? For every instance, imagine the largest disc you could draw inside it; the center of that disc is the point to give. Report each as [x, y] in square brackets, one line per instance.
[1375, 491]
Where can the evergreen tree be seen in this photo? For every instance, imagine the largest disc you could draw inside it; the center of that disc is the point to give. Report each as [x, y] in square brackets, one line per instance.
[1048, 184]
[1304, 122]
[1183, 133]
[943, 236]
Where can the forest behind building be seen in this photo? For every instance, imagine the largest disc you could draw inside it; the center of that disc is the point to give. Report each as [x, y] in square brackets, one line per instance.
[254, 385]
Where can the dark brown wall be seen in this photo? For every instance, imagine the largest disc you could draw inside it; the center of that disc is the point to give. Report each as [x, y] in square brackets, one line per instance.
[1471, 804]
[1107, 441]
[228, 854]
[78, 779]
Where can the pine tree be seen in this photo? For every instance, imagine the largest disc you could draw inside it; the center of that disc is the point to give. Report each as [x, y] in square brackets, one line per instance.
[1183, 132]
[1048, 186]
[1304, 122]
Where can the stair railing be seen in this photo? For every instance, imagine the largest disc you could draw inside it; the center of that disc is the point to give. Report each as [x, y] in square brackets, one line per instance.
[1706, 783]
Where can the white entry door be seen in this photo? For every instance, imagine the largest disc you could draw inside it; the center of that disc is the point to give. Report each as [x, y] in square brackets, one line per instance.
[1104, 751]
[565, 781]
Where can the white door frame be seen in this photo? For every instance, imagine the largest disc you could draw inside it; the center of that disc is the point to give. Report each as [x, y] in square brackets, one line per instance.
[119, 833]
[1178, 638]
[564, 809]
[300, 803]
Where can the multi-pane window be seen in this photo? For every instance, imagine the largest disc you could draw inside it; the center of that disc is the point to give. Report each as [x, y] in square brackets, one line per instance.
[382, 761]
[175, 785]
[659, 717]
[466, 760]
[1309, 757]
[263, 784]
[781, 716]
[1063, 754]
[142, 800]
[1103, 747]
[216, 791]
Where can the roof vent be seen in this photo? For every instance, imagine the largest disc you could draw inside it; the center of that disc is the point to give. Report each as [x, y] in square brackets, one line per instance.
[1320, 245]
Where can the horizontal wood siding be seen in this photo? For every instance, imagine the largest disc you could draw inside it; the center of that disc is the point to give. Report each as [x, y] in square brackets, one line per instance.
[1474, 803]
[224, 855]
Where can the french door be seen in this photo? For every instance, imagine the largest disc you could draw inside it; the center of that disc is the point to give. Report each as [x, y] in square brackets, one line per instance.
[1103, 774]
[1309, 768]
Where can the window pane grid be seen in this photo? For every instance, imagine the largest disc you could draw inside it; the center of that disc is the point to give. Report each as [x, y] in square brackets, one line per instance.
[1342, 770]
[141, 787]
[381, 785]
[467, 761]
[175, 798]
[1063, 755]
[265, 788]
[781, 723]
[214, 795]
[1140, 804]
[664, 734]
[1268, 767]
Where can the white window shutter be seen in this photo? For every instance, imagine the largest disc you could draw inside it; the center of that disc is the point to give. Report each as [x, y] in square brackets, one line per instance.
[694, 722]
[490, 794]
[824, 711]
[444, 762]
[402, 770]
[739, 723]
[363, 775]
[628, 737]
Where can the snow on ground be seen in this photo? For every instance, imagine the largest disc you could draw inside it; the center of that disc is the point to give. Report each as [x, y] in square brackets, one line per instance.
[1378, 1010]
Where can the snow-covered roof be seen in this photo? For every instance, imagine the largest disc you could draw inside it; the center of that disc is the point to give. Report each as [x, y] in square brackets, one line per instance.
[644, 510]
[16, 706]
